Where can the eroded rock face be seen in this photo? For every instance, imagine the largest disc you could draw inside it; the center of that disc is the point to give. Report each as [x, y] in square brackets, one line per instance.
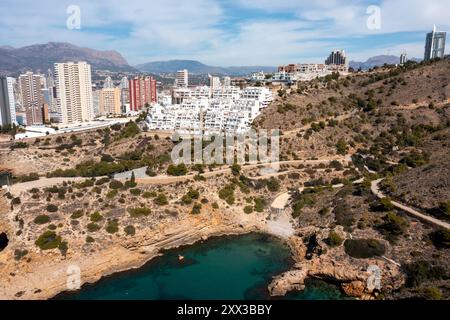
[3, 241]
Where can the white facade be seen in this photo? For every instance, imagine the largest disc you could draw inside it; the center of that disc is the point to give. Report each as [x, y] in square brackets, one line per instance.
[258, 76]
[74, 92]
[229, 109]
[108, 84]
[7, 102]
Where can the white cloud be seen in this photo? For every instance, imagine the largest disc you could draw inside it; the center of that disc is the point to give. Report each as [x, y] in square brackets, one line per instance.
[197, 29]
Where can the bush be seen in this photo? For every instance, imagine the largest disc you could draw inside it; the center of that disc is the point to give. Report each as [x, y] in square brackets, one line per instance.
[112, 226]
[393, 226]
[48, 240]
[129, 230]
[341, 147]
[15, 201]
[161, 200]
[96, 217]
[260, 204]
[115, 184]
[363, 248]
[273, 184]
[139, 212]
[19, 254]
[422, 271]
[248, 209]
[432, 293]
[42, 219]
[149, 194]
[441, 238]
[93, 227]
[52, 208]
[89, 239]
[236, 169]
[334, 240]
[111, 194]
[196, 209]
[101, 181]
[63, 247]
[135, 192]
[179, 170]
[77, 214]
[384, 204]
[227, 193]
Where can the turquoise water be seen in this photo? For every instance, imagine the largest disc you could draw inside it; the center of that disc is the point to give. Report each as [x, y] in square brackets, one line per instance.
[238, 267]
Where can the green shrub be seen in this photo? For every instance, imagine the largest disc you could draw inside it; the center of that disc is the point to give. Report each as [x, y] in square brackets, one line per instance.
[135, 192]
[112, 226]
[93, 227]
[139, 212]
[96, 217]
[130, 230]
[422, 271]
[15, 201]
[63, 247]
[273, 184]
[161, 200]
[42, 219]
[260, 204]
[52, 208]
[177, 170]
[115, 184]
[48, 240]
[363, 248]
[334, 240]
[77, 214]
[89, 239]
[149, 194]
[393, 226]
[248, 209]
[227, 193]
[196, 209]
[112, 193]
[101, 181]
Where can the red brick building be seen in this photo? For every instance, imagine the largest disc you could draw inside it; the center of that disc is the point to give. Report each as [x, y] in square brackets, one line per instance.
[142, 92]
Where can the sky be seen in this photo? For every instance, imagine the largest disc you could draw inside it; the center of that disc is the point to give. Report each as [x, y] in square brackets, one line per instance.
[228, 32]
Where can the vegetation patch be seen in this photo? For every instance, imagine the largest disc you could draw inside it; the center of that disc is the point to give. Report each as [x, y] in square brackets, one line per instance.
[364, 248]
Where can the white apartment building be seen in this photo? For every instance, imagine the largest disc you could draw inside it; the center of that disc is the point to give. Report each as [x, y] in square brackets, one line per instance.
[229, 109]
[74, 92]
[226, 81]
[226, 92]
[108, 83]
[257, 76]
[262, 94]
[214, 82]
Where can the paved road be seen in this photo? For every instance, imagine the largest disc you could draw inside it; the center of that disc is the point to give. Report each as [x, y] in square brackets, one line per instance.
[376, 190]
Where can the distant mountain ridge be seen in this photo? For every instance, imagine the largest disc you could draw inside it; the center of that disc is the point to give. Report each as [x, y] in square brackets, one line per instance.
[377, 61]
[196, 67]
[40, 57]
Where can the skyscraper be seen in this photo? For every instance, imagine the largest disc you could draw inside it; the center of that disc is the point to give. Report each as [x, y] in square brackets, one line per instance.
[142, 91]
[403, 58]
[337, 58]
[7, 102]
[182, 79]
[31, 97]
[435, 44]
[124, 83]
[74, 92]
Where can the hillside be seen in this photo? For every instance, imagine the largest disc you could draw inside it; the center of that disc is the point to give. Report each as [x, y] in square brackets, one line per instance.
[43, 56]
[376, 61]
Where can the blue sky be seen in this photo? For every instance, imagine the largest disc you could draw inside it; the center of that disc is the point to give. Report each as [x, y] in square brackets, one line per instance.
[228, 32]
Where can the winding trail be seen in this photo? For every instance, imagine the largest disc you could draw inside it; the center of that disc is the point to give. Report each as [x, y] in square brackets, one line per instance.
[376, 190]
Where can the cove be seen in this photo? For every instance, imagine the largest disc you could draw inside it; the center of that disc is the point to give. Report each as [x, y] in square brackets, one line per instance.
[234, 267]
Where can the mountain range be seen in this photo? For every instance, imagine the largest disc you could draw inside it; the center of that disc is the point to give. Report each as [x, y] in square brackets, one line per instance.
[40, 57]
[196, 67]
[377, 61]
